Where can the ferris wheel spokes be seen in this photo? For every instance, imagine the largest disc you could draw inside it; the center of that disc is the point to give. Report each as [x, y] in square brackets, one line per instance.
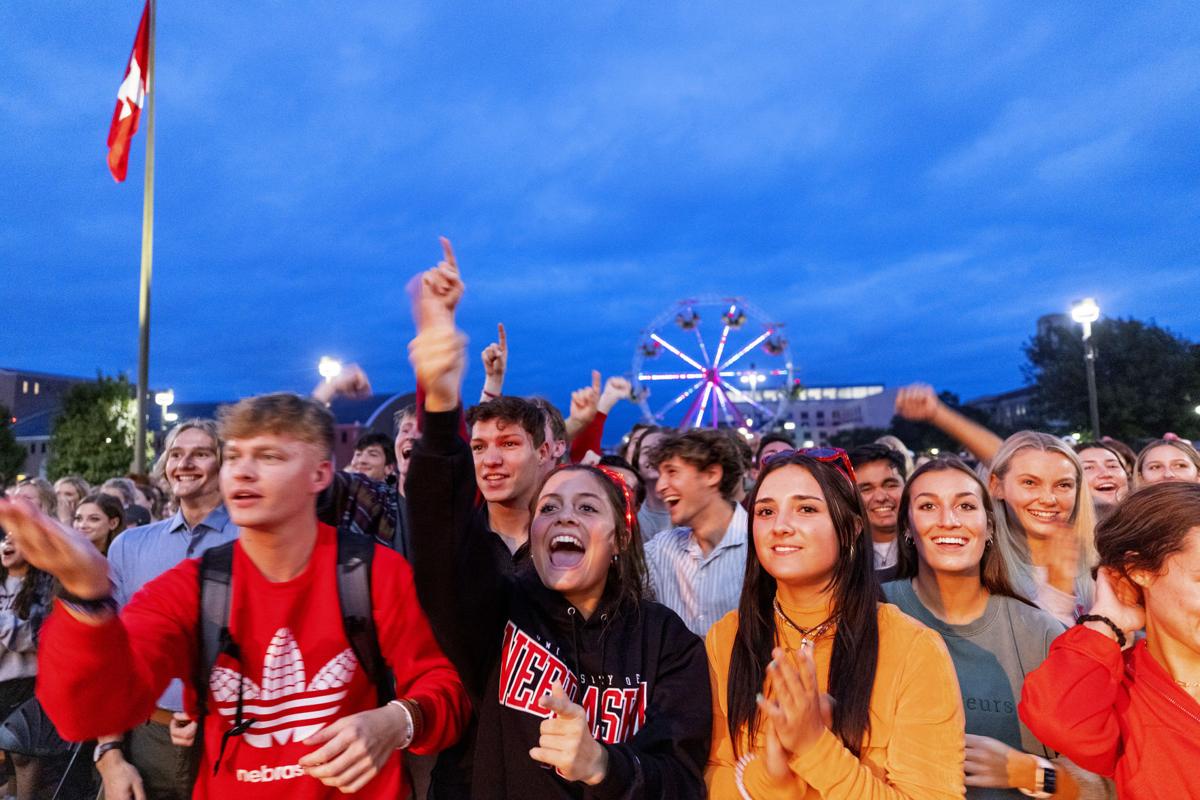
[746, 349]
[742, 397]
[684, 395]
[724, 336]
[677, 351]
[670, 376]
[703, 349]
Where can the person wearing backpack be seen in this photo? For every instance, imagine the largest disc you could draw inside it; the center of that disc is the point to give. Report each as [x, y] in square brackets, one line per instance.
[288, 708]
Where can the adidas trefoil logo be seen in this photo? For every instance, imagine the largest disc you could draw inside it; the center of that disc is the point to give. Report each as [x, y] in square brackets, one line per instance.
[285, 708]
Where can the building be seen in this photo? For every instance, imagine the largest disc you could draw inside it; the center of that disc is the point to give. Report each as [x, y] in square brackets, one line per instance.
[1012, 410]
[33, 399]
[816, 413]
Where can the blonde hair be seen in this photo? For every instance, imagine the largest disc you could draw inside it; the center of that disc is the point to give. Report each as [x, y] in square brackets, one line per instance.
[1011, 538]
[280, 413]
[206, 426]
[1179, 444]
[47, 499]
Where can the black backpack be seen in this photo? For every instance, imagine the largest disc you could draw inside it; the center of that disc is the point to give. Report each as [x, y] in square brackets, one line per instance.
[354, 556]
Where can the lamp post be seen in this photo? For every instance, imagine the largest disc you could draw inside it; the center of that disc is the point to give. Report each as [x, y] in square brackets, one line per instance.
[1085, 312]
[166, 399]
[329, 368]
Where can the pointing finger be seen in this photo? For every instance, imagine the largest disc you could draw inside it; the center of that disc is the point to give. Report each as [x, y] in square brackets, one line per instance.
[503, 336]
[596, 380]
[448, 253]
[558, 702]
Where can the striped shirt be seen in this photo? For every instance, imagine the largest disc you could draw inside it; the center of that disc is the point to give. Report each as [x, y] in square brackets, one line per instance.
[700, 589]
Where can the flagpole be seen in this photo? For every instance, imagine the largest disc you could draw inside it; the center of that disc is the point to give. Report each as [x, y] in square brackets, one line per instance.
[139, 446]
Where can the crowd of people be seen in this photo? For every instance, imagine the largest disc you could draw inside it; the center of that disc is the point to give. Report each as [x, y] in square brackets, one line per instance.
[486, 604]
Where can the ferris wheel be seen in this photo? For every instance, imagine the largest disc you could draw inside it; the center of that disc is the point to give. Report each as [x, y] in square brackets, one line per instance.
[712, 361]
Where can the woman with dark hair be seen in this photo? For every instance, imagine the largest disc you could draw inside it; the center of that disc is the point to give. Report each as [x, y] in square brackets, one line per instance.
[819, 689]
[1122, 708]
[952, 579]
[100, 517]
[583, 688]
[25, 594]
[653, 518]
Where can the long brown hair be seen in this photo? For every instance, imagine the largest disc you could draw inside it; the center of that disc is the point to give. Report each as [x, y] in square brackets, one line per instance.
[993, 572]
[856, 594]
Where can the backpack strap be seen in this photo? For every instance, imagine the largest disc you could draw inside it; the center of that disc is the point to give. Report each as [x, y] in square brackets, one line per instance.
[216, 583]
[355, 554]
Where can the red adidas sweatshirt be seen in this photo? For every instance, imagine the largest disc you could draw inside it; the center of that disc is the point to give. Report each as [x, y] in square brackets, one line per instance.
[1117, 714]
[297, 671]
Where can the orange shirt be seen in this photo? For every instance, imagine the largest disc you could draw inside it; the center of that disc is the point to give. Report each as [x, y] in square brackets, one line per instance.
[914, 748]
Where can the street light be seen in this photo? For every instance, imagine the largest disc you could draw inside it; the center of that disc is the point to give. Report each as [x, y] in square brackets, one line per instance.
[1085, 312]
[329, 368]
[165, 399]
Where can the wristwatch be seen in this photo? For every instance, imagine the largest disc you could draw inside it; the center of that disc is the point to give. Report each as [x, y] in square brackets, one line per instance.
[102, 749]
[1045, 782]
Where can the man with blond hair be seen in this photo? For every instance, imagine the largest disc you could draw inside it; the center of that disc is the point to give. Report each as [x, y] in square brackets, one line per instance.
[287, 708]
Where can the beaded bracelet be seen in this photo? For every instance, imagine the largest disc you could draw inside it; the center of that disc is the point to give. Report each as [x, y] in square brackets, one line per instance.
[1120, 634]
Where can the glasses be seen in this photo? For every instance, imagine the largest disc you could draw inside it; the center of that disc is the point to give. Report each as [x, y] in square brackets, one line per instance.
[829, 455]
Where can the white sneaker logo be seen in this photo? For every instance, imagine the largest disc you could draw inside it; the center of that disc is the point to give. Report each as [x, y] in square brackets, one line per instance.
[285, 708]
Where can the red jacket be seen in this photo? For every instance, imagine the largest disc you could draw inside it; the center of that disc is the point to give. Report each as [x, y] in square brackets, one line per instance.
[297, 671]
[1116, 714]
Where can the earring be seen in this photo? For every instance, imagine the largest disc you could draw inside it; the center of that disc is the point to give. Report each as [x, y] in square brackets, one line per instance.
[908, 538]
[987, 543]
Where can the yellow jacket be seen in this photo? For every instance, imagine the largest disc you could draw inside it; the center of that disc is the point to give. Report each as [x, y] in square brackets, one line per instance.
[914, 748]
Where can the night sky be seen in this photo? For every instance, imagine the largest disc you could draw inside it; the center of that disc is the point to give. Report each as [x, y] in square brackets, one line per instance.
[907, 186]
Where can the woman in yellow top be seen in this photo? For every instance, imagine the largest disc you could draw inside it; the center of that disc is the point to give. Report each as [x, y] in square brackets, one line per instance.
[830, 692]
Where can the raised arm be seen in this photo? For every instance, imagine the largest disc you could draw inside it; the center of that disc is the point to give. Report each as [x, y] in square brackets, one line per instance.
[98, 672]
[495, 365]
[456, 581]
[584, 406]
[919, 403]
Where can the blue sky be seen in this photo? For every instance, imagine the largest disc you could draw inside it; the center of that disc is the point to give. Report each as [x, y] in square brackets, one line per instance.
[907, 185]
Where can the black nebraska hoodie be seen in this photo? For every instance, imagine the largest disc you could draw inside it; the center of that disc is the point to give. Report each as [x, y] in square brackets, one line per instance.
[639, 673]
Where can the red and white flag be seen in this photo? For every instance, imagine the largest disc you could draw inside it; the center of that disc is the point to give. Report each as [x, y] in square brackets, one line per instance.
[130, 98]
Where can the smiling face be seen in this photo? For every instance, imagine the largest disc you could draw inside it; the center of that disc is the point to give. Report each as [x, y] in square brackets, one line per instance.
[192, 468]
[371, 462]
[794, 534]
[1105, 476]
[92, 522]
[948, 521]
[686, 490]
[880, 486]
[406, 435]
[507, 463]
[269, 481]
[1168, 463]
[1040, 489]
[11, 557]
[573, 537]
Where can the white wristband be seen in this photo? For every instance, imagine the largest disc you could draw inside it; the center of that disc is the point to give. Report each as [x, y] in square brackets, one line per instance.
[739, 775]
[407, 738]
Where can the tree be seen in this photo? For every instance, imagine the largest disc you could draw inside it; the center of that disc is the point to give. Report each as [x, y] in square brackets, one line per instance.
[853, 437]
[1147, 379]
[93, 434]
[12, 454]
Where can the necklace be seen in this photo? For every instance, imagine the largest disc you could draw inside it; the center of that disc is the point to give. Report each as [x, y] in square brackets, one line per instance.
[807, 635]
[1189, 684]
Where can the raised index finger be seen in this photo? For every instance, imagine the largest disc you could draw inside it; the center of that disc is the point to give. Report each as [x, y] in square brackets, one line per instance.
[502, 336]
[448, 253]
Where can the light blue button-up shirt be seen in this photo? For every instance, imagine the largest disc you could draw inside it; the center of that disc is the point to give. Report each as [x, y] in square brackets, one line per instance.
[139, 555]
[700, 589]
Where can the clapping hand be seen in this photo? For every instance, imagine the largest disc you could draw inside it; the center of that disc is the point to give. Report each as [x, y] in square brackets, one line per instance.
[795, 709]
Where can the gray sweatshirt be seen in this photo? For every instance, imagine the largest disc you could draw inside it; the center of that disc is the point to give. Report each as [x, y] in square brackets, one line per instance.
[18, 637]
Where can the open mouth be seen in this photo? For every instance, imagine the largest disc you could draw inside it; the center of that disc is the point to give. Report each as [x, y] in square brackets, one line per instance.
[1044, 516]
[950, 542]
[244, 496]
[8, 551]
[1106, 486]
[884, 508]
[671, 501]
[566, 551]
[494, 478]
